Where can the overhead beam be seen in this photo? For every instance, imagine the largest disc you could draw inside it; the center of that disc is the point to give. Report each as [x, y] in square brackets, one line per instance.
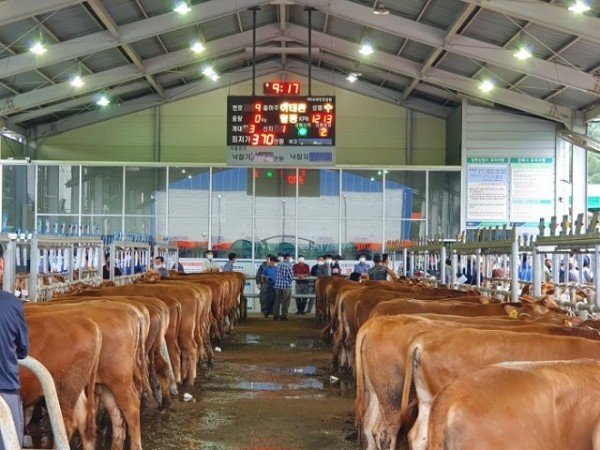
[551, 16]
[129, 33]
[14, 10]
[118, 75]
[152, 100]
[458, 23]
[462, 45]
[440, 78]
[163, 79]
[370, 90]
[106, 19]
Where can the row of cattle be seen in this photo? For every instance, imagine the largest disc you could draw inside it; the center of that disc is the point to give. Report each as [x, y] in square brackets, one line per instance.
[117, 348]
[441, 369]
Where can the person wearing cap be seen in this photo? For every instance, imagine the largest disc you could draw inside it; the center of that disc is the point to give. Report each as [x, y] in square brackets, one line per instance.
[283, 288]
[301, 271]
[362, 267]
[228, 267]
[14, 344]
[209, 264]
[336, 269]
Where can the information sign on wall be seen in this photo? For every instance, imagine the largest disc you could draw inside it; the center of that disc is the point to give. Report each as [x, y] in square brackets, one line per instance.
[531, 190]
[487, 191]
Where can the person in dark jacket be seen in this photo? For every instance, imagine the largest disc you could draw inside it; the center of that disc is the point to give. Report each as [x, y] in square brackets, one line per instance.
[14, 344]
[159, 265]
[319, 269]
[106, 268]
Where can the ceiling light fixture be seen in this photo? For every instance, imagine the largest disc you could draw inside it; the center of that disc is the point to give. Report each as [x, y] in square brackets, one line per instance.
[182, 8]
[37, 48]
[77, 81]
[197, 47]
[487, 86]
[523, 53]
[366, 49]
[210, 73]
[381, 10]
[103, 101]
[579, 7]
[352, 77]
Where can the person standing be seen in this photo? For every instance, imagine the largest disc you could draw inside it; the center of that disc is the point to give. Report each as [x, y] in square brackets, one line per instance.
[586, 273]
[362, 267]
[448, 271]
[159, 265]
[228, 267]
[378, 272]
[283, 288]
[269, 274]
[301, 271]
[106, 268]
[209, 264]
[260, 283]
[14, 344]
[328, 264]
[548, 270]
[336, 269]
[319, 269]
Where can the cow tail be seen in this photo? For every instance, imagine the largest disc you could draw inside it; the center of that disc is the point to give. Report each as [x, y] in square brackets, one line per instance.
[413, 359]
[92, 396]
[360, 378]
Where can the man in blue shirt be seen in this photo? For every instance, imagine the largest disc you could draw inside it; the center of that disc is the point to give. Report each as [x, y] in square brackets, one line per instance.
[283, 288]
[362, 267]
[228, 267]
[269, 274]
[14, 337]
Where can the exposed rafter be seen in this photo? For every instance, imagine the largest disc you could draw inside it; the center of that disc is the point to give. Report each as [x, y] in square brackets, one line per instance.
[149, 101]
[543, 13]
[458, 23]
[370, 90]
[13, 10]
[441, 78]
[111, 26]
[131, 32]
[121, 74]
[462, 45]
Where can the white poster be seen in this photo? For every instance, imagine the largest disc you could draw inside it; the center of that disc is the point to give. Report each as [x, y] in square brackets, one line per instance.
[531, 190]
[487, 191]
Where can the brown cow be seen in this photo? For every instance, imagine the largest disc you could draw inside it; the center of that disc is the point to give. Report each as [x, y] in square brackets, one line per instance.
[434, 360]
[535, 405]
[73, 371]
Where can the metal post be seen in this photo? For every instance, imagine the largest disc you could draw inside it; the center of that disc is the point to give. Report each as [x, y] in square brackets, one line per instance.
[404, 262]
[254, 9]
[10, 269]
[412, 264]
[113, 260]
[597, 274]
[537, 273]
[210, 202]
[9, 431]
[477, 271]
[70, 262]
[310, 10]
[454, 267]
[514, 269]
[33, 270]
[443, 265]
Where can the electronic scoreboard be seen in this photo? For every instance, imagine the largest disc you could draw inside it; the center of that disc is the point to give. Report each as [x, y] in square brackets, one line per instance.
[281, 129]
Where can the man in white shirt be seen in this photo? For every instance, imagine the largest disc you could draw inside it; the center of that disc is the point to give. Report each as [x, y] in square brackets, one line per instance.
[209, 264]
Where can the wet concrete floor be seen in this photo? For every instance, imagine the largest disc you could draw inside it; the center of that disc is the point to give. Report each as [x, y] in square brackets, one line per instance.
[269, 389]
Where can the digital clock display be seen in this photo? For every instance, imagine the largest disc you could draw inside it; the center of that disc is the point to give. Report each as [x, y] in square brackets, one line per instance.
[282, 88]
[263, 121]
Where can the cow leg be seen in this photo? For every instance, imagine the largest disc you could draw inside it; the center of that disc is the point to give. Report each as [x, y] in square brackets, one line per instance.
[192, 365]
[165, 356]
[418, 433]
[370, 419]
[80, 423]
[116, 420]
[128, 401]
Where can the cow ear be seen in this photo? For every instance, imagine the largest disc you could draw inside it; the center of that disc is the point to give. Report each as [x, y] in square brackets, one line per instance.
[511, 311]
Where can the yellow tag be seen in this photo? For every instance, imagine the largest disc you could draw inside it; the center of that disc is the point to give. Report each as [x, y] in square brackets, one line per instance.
[514, 314]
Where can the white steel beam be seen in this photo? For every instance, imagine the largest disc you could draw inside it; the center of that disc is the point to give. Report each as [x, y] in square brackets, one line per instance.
[152, 100]
[370, 90]
[131, 32]
[163, 79]
[440, 78]
[462, 45]
[13, 10]
[18, 103]
[109, 23]
[551, 16]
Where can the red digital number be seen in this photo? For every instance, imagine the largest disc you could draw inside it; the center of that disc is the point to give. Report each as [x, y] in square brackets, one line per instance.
[266, 139]
[257, 118]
